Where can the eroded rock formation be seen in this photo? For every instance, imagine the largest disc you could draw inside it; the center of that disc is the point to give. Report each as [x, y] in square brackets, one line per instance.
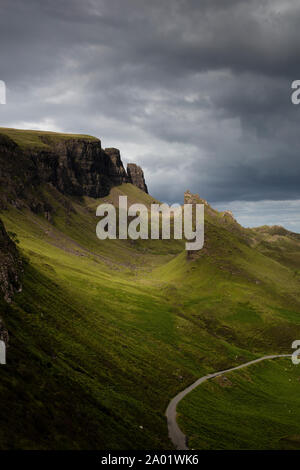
[116, 170]
[136, 176]
[74, 166]
[10, 266]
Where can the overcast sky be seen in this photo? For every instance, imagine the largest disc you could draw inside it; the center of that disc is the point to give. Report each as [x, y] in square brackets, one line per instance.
[197, 92]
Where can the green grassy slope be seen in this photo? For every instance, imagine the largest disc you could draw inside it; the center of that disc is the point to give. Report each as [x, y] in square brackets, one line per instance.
[236, 292]
[39, 139]
[105, 333]
[253, 408]
[279, 244]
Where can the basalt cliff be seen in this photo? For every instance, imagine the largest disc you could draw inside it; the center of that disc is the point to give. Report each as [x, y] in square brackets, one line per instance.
[10, 266]
[74, 165]
[136, 176]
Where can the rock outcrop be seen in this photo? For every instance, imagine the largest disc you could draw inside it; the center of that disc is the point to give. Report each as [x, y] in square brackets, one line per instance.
[190, 198]
[136, 176]
[10, 266]
[11, 269]
[228, 216]
[116, 170]
[74, 165]
[3, 333]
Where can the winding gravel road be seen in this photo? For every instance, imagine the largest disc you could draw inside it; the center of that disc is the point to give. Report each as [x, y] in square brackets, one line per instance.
[175, 434]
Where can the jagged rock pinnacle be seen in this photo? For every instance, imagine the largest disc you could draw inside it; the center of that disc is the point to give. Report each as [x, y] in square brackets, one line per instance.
[136, 176]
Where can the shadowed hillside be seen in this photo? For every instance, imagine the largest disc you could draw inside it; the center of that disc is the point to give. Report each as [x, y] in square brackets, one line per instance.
[104, 333]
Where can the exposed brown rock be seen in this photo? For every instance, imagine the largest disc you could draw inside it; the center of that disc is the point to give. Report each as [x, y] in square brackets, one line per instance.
[116, 170]
[10, 266]
[75, 166]
[223, 381]
[136, 176]
[228, 215]
[3, 333]
[190, 198]
[10, 273]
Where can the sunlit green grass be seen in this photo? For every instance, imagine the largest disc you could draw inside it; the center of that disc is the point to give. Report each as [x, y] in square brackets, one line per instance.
[39, 139]
[105, 333]
[253, 408]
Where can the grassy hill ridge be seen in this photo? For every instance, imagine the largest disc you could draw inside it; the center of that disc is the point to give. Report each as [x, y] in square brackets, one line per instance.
[40, 139]
[104, 333]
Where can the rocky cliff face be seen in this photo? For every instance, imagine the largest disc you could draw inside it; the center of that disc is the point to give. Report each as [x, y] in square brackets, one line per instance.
[116, 170]
[11, 269]
[136, 176]
[10, 266]
[76, 166]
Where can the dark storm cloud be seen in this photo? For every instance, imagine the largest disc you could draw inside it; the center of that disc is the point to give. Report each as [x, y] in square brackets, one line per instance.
[198, 92]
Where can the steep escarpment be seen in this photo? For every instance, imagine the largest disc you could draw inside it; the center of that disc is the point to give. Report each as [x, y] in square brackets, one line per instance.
[76, 165]
[10, 267]
[116, 171]
[10, 273]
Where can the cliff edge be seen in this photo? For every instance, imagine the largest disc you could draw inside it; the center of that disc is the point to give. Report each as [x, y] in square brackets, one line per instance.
[76, 165]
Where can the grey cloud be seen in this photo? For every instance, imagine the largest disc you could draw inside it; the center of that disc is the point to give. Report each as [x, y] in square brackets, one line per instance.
[196, 92]
[266, 212]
